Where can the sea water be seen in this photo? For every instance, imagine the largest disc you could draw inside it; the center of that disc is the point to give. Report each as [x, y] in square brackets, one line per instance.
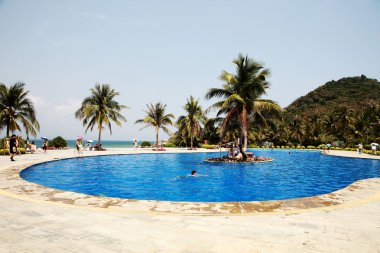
[105, 143]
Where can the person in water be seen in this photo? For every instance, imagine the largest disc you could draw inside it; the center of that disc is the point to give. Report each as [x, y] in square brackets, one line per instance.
[194, 173]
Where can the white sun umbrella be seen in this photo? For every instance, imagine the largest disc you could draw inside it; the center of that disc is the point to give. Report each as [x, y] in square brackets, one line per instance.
[374, 144]
[90, 141]
[44, 137]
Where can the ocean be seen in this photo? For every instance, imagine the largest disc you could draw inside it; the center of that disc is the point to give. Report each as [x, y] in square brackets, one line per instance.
[105, 143]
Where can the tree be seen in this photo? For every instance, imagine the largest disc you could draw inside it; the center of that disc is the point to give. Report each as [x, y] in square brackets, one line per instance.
[100, 109]
[241, 93]
[156, 117]
[191, 124]
[58, 142]
[17, 110]
[297, 130]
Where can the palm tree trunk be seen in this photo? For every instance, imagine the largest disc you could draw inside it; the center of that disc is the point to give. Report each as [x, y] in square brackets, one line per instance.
[244, 126]
[157, 136]
[191, 142]
[100, 134]
[244, 129]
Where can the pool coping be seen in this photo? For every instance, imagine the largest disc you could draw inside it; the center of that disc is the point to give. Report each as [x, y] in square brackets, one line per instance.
[12, 185]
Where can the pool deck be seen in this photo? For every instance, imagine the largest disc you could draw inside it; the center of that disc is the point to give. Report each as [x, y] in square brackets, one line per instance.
[39, 219]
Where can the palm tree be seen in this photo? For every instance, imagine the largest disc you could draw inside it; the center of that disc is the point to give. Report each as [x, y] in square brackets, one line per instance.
[191, 123]
[297, 129]
[330, 124]
[241, 93]
[17, 110]
[156, 117]
[100, 109]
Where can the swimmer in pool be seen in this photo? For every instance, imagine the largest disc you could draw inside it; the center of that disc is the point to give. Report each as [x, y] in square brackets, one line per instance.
[194, 173]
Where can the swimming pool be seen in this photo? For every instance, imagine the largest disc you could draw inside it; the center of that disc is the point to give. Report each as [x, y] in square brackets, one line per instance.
[166, 176]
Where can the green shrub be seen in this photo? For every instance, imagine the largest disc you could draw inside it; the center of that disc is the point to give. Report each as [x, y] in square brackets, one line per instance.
[6, 151]
[169, 145]
[287, 147]
[298, 147]
[58, 142]
[350, 149]
[277, 146]
[146, 144]
[282, 146]
[209, 146]
[311, 147]
[254, 146]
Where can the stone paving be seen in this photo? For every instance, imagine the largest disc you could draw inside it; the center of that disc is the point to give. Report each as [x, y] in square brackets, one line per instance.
[31, 223]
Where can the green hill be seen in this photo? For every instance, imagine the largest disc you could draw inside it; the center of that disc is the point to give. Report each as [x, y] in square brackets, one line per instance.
[354, 92]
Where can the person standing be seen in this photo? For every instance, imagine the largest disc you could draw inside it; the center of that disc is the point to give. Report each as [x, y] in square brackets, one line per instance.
[360, 148]
[328, 147]
[79, 145]
[45, 145]
[373, 149]
[13, 146]
[135, 142]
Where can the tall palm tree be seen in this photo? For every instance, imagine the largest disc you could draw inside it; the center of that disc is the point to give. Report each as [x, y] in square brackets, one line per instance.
[17, 110]
[297, 129]
[241, 93]
[156, 117]
[100, 109]
[330, 124]
[191, 123]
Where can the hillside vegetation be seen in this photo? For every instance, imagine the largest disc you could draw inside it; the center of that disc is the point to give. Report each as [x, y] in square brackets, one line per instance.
[352, 92]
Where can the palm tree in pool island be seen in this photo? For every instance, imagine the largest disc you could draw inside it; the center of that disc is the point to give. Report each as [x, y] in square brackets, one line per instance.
[156, 117]
[241, 94]
[17, 110]
[191, 124]
[100, 109]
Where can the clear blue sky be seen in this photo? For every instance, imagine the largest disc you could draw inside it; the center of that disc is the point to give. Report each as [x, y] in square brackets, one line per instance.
[167, 50]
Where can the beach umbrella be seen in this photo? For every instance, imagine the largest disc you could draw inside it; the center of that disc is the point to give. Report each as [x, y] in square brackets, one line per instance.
[44, 138]
[79, 137]
[374, 144]
[90, 141]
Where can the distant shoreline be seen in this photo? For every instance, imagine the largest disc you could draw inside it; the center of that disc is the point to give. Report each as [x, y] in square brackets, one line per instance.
[105, 143]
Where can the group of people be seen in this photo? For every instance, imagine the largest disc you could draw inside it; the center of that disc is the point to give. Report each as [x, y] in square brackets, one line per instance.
[13, 145]
[79, 146]
[235, 153]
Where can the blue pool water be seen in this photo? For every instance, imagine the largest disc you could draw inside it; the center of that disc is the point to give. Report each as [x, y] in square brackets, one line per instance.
[166, 176]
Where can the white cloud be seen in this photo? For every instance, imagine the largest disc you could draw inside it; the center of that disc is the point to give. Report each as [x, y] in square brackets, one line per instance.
[68, 108]
[91, 15]
[39, 102]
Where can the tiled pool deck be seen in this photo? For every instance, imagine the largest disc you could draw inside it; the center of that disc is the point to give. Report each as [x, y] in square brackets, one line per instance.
[38, 219]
